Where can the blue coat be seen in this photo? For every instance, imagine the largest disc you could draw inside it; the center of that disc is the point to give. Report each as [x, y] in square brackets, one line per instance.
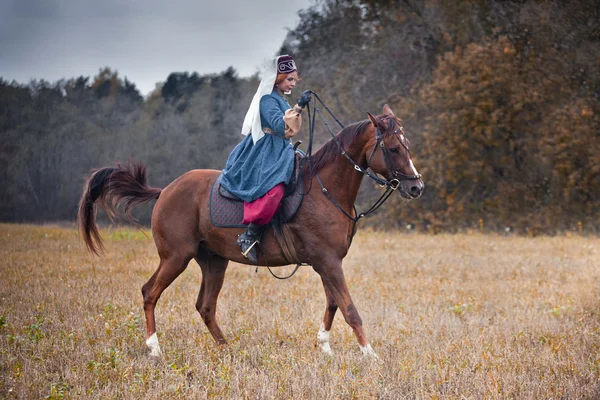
[254, 169]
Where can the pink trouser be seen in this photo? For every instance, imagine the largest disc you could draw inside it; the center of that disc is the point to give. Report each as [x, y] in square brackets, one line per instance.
[262, 210]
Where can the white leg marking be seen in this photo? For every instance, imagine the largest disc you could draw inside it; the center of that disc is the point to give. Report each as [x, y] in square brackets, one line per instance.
[323, 338]
[368, 351]
[153, 345]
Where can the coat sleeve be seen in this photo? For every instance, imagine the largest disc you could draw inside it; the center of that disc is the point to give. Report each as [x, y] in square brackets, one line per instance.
[293, 121]
[270, 111]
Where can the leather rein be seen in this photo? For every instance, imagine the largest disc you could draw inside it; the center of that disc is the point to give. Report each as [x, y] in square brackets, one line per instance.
[391, 185]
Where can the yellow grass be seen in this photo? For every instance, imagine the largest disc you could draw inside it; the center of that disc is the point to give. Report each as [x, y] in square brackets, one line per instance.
[464, 316]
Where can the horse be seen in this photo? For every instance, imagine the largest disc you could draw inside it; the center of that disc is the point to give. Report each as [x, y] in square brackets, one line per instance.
[322, 228]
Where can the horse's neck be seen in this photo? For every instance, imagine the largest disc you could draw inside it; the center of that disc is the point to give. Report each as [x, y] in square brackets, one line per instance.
[341, 179]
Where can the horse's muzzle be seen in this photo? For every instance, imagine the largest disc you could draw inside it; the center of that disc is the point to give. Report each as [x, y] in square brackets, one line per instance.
[411, 188]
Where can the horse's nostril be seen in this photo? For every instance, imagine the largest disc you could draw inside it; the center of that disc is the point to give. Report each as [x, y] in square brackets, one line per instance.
[415, 190]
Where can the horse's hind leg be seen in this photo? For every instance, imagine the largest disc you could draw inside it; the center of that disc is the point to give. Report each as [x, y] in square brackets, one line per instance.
[324, 331]
[168, 269]
[213, 274]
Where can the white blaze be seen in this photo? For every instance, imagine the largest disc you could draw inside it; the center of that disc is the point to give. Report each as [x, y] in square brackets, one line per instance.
[413, 168]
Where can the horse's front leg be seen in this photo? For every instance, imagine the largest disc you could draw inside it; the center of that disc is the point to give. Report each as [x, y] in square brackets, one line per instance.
[334, 281]
[324, 330]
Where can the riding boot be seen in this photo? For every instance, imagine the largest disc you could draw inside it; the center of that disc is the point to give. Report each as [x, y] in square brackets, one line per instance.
[250, 240]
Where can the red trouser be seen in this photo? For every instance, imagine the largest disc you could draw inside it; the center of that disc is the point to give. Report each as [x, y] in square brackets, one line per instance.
[262, 210]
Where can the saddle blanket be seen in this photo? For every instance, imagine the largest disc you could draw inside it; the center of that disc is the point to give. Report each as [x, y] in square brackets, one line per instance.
[227, 213]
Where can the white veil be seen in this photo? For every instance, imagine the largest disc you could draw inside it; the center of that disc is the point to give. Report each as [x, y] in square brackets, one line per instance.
[252, 120]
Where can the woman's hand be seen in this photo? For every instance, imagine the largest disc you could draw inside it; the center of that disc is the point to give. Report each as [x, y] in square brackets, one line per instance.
[304, 98]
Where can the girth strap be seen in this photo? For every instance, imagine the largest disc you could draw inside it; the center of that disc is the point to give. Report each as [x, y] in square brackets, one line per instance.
[286, 241]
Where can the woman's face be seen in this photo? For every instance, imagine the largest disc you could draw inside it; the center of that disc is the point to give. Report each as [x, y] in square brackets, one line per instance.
[288, 83]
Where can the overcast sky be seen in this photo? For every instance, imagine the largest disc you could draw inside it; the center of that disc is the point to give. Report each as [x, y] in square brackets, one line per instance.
[144, 40]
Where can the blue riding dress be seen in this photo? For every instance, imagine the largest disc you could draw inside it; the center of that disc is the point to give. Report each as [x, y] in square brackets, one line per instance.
[255, 168]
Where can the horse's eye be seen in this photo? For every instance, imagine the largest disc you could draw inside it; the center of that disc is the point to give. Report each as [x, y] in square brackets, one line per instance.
[395, 150]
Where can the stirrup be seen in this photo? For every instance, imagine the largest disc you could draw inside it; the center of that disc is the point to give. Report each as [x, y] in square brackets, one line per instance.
[245, 253]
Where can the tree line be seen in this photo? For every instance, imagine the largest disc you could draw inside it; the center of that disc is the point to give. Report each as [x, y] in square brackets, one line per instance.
[53, 134]
[500, 99]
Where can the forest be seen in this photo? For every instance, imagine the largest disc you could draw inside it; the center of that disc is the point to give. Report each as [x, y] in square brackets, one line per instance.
[500, 101]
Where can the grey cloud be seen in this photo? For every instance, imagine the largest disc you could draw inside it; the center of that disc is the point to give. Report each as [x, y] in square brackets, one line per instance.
[144, 40]
[34, 9]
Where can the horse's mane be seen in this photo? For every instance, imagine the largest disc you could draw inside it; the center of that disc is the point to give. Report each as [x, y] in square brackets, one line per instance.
[330, 150]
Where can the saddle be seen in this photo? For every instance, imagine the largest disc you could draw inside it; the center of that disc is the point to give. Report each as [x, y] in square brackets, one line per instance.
[227, 210]
[289, 188]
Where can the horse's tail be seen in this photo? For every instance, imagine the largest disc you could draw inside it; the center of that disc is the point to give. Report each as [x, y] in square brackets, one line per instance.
[121, 184]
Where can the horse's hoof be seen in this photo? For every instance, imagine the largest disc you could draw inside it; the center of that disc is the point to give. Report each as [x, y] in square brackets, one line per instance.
[323, 338]
[152, 343]
[156, 353]
[368, 351]
[326, 349]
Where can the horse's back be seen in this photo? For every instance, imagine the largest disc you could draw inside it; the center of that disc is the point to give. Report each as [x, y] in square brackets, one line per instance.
[178, 208]
[191, 183]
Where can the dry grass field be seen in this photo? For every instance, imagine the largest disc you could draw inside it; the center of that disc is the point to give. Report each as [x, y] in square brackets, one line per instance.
[451, 317]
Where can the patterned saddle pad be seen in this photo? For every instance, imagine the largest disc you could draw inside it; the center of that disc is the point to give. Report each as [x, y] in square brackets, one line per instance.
[227, 213]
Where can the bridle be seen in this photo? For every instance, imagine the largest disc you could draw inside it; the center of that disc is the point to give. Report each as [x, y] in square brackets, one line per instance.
[391, 184]
[396, 175]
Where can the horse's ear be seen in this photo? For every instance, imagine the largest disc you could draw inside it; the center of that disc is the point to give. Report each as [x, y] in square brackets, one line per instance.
[387, 110]
[373, 119]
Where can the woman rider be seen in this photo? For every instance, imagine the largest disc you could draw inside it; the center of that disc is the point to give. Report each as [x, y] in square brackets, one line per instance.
[262, 163]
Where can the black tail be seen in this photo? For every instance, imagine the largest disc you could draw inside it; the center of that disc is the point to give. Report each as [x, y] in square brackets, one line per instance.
[122, 184]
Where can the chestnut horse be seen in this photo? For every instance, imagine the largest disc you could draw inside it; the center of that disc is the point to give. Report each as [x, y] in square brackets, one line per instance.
[321, 231]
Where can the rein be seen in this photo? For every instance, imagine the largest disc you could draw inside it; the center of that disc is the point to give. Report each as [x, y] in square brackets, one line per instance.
[390, 185]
